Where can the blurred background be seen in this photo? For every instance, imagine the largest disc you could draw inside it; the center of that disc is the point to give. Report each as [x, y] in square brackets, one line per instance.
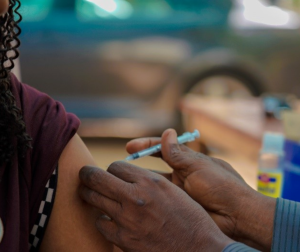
[125, 66]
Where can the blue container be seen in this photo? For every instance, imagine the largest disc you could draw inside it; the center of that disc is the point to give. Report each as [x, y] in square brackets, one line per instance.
[291, 186]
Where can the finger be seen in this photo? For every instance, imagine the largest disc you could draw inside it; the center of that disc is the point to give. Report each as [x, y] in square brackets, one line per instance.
[109, 229]
[179, 157]
[129, 172]
[143, 143]
[108, 206]
[172, 153]
[103, 182]
[171, 177]
[167, 175]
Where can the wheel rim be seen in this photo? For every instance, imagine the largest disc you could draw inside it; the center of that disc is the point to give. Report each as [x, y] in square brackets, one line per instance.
[221, 86]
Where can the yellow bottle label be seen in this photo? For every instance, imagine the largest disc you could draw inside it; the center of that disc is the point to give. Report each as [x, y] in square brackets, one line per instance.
[270, 183]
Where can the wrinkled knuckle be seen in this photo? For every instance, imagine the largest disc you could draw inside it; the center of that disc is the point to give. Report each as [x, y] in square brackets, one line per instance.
[133, 199]
[137, 199]
[152, 178]
[129, 197]
[145, 181]
[160, 181]
[175, 153]
[177, 158]
[156, 180]
[140, 202]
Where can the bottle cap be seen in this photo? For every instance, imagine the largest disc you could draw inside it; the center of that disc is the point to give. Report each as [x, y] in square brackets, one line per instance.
[273, 143]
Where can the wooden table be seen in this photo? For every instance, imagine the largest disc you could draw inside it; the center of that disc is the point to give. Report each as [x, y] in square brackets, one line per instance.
[233, 127]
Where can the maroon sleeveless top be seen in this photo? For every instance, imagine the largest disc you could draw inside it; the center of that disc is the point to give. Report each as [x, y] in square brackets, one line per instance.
[22, 188]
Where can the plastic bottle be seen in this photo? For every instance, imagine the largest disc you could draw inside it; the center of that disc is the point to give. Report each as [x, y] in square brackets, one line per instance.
[270, 165]
[291, 169]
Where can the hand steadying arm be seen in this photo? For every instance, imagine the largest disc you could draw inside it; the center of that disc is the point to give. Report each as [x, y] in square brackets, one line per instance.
[148, 213]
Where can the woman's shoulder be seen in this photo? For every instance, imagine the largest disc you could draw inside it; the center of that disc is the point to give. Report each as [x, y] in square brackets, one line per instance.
[46, 119]
[51, 128]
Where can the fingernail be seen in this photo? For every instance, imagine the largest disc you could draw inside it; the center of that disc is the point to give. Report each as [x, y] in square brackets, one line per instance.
[105, 217]
[172, 137]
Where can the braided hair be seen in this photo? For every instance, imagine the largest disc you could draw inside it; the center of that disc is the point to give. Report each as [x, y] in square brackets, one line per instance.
[13, 136]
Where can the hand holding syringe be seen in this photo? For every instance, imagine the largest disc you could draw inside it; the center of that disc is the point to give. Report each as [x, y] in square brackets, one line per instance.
[184, 138]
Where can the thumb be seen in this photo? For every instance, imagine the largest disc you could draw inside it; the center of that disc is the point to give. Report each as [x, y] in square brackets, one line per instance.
[179, 157]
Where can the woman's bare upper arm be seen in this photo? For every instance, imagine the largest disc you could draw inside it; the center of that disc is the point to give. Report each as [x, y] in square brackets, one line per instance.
[72, 223]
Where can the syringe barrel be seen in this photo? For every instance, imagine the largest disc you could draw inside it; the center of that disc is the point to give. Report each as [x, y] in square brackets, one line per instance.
[186, 137]
[150, 151]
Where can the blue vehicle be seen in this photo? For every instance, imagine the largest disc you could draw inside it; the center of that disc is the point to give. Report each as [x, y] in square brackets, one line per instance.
[123, 65]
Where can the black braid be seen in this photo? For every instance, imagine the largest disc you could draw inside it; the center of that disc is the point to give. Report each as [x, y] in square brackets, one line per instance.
[13, 136]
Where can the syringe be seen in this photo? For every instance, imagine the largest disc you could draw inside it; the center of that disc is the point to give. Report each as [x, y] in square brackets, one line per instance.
[184, 138]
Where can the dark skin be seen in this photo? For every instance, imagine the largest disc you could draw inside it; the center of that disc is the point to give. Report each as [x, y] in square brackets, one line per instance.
[148, 213]
[238, 210]
[241, 213]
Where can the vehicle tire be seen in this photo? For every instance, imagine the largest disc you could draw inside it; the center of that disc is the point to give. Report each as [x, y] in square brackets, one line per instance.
[222, 83]
[225, 83]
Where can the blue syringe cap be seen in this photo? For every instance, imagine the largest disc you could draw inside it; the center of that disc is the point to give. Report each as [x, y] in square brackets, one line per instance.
[196, 133]
[190, 136]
